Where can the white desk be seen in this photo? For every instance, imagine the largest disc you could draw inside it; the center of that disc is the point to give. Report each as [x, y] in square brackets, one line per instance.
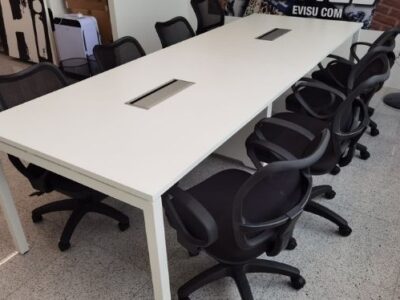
[87, 133]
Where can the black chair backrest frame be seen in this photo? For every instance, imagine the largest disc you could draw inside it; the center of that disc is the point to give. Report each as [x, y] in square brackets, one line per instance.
[209, 14]
[121, 51]
[249, 234]
[174, 31]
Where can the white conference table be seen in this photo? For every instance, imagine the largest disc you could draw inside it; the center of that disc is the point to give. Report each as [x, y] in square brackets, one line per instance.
[88, 133]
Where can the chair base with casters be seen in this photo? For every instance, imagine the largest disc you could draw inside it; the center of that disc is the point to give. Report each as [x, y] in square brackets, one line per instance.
[392, 100]
[320, 210]
[238, 274]
[79, 208]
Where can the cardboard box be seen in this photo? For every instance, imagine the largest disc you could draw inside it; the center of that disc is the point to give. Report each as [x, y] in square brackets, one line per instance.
[97, 9]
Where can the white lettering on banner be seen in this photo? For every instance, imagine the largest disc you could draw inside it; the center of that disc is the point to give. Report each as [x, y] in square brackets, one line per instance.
[355, 2]
[309, 11]
[331, 13]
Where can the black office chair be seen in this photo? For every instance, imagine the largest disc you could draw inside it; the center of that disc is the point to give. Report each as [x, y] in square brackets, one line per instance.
[117, 53]
[292, 133]
[24, 86]
[174, 31]
[236, 216]
[322, 104]
[337, 72]
[209, 14]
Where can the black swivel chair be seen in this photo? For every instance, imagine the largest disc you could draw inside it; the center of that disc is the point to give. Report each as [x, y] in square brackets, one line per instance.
[24, 86]
[292, 133]
[174, 31]
[336, 73]
[321, 104]
[235, 217]
[117, 53]
[209, 15]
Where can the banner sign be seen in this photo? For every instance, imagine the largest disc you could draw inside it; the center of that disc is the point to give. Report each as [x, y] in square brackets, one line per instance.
[348, 10]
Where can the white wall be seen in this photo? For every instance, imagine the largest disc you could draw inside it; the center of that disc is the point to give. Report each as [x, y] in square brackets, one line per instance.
[58, 7]
[137, 18]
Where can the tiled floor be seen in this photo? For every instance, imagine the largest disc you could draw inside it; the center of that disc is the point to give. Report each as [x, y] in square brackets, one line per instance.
[107, 264]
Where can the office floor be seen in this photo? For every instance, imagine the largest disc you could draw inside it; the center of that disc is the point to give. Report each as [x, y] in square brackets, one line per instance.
[104, 263]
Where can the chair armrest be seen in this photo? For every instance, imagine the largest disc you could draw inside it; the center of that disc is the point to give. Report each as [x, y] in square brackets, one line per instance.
[199, 213]
[337, 58]
[285, 124]
[326, 70]
[266, 146]
[306, 82]
[353, 49]
[354, 132]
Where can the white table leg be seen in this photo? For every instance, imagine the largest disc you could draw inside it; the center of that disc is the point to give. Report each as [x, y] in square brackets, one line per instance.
[11, 215]
[269, 111]
[354, 40]
[154, 221]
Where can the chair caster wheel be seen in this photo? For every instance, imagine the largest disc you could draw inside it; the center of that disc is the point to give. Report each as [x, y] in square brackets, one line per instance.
[64, 246]
[374, 131]
[298, 282]
[37, 218]
[330, 195]
[345, 230]
[335, 170]
[364, 155]
[292, 244]
[123, 226]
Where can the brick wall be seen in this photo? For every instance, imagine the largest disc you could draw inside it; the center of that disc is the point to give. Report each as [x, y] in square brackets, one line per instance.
[387, 15]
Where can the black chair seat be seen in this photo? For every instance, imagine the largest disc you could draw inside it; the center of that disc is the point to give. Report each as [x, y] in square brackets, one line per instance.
[319, 100]
[297, 144]
[71, 188]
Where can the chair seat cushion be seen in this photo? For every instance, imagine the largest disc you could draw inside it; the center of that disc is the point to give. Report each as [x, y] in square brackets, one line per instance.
[319, 100]
[297, 144]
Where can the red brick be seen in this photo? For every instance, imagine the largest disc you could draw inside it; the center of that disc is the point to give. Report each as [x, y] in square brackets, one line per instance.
[395, 13]
[383, 9]
[384, 19]
[392, 3]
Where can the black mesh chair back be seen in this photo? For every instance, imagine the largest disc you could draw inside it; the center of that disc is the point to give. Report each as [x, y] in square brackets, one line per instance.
[262, 214]
[285, 188]
[30, 83]
[174, 31]
[118, 53]
[236, 216]
[352, 118]
[369, 66]
[209, 14]
[16, 89]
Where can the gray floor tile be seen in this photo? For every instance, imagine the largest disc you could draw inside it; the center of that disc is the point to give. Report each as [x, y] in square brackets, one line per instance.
[90, 273]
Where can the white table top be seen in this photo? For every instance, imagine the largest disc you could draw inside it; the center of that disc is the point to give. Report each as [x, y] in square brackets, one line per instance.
[88, 128]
